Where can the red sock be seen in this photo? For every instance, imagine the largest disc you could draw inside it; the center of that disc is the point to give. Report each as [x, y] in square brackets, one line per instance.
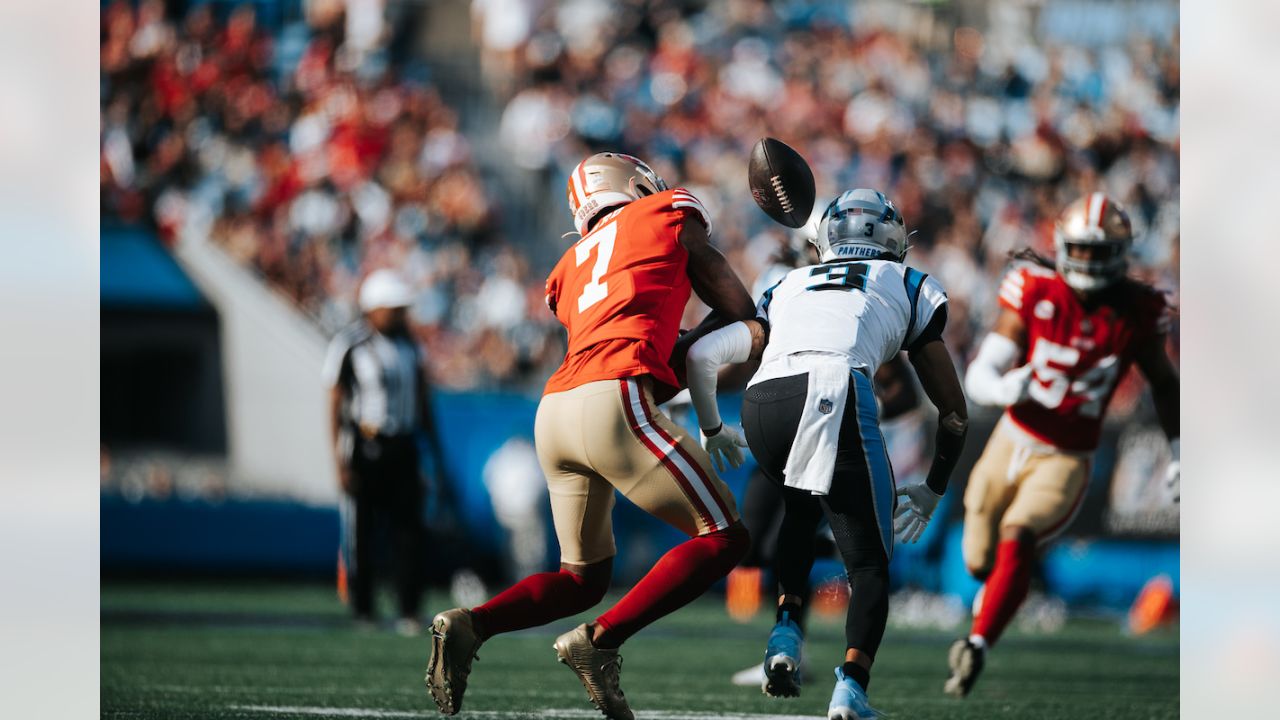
[1006, 589]
[537, 600]
[684, 573]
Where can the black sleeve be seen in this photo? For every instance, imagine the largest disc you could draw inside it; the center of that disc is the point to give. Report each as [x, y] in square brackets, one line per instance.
[346, 374]
[947, 446]
[932, 331]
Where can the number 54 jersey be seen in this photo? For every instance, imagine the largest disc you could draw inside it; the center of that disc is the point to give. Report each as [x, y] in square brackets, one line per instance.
[1078, 352]
[620, 292]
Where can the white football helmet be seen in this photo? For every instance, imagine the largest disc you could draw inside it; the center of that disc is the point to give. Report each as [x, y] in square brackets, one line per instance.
[861, 224]
[607, 180]
[1098, 222]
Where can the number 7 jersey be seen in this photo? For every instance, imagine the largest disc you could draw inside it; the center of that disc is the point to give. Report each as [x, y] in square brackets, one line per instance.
[1078, 352]
[620, 291]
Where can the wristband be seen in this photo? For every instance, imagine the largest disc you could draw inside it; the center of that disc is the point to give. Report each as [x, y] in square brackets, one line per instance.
[948, 443]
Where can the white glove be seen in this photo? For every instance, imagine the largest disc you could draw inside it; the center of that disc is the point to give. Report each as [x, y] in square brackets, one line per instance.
[724, 447]
[991, 378]
[1015, 384]
[915, 506]
[1173, 473]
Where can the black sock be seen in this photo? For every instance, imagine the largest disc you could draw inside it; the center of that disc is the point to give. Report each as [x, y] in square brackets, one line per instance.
[858, 673]
[794, 613]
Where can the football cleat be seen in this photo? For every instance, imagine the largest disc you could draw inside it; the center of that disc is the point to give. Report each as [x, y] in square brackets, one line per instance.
[749, 677]
[966, 659]
[598, 669]
[782, 659]
[849, 701]
[454, 642]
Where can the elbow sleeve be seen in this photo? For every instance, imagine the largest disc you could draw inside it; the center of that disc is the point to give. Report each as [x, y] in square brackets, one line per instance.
[985, 380]
[730, 344]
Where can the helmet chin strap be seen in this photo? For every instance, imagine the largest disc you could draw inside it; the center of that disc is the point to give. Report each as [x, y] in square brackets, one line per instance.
[637, 191]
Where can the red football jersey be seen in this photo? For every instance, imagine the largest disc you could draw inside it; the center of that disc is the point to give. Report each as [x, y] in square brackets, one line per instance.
[621, 289]
[1078, 351]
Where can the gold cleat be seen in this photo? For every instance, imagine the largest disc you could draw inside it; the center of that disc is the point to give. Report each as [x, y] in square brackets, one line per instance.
[598, 670]
[454, 642]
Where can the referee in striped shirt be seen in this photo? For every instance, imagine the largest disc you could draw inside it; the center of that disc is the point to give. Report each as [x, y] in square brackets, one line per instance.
[379, 403]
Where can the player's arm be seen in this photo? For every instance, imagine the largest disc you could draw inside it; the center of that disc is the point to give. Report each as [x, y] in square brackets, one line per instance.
[941, 383]
[335, 430]
[1159, 371]
[715, 283]
[932, 362]
[992, 378]
[337, 373]
[896, 392]
[737, 343]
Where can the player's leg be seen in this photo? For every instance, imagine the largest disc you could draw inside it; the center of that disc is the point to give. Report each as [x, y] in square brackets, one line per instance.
[582, 512]
[770, 415]
[991, 488]
[860, 510]
[362, 535]
[987, 495]
[581, 506]
[762, 514]
[404, 483]
[793, 561]
[1047, 499]
[659, 467]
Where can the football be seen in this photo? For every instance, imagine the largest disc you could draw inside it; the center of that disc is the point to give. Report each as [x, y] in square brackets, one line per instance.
[781, 182]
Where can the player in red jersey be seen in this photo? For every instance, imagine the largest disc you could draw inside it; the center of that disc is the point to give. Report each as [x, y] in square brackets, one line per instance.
[620, 292]
[1064, 338]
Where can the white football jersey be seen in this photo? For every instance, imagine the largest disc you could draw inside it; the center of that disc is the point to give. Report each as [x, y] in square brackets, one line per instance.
[866, 311]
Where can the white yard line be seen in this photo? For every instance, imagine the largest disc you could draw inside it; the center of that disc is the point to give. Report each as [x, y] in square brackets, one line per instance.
[574, 713]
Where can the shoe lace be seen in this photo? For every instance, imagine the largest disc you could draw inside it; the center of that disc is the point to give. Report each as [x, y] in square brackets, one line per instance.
[611, 669]
[475, 651]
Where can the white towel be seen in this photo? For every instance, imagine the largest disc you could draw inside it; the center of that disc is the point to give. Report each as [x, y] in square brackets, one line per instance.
[813, 452]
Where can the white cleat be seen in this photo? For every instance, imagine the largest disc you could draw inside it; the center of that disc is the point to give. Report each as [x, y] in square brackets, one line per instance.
[749, 677]
[849, 701]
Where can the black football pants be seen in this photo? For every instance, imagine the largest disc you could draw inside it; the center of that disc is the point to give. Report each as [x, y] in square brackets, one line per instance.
[770, 417]
[388, 485]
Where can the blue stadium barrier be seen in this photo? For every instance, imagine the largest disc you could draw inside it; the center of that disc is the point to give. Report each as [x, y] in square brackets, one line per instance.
[233, 536]
[241, 536]
[1094, 572]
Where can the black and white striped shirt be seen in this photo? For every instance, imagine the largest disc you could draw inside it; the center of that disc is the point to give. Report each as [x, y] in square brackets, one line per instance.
[380, 375]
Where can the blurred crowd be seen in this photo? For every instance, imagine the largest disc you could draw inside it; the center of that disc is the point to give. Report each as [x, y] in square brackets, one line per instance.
[317, 159]
[979, 134]
[313, 156]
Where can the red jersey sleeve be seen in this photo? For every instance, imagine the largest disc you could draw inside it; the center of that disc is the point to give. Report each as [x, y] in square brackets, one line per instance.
[684, 201]
[552, 296]
[1014, 290]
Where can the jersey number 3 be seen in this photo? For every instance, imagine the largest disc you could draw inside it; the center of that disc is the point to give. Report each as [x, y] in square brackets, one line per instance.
[596, 290]
[846, 277]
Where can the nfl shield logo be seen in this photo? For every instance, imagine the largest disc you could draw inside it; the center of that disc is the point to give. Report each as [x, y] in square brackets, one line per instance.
[825, 406]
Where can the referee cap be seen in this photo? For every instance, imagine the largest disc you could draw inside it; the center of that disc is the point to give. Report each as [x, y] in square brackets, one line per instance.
[384, 289]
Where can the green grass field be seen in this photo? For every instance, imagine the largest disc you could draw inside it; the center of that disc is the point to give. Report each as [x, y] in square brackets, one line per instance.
[253, 651]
